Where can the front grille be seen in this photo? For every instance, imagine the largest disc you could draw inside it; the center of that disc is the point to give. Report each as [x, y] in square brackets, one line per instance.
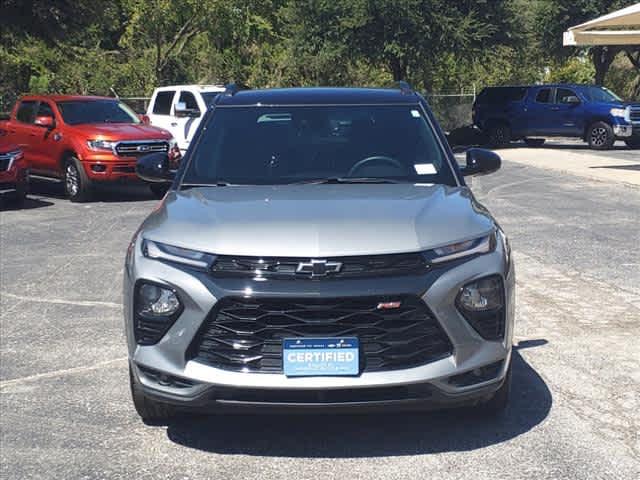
[635, 114]
[246, 334]
[136, 149]
[349, 267]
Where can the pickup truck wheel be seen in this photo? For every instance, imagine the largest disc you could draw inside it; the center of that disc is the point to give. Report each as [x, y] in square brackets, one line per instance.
[499, 135]
[534, 142]
[151, 412]
[600, 136]
[633, 142]
[159, 189]
[77, 185]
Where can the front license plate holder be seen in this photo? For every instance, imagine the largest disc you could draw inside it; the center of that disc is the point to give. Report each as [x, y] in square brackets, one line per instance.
[313, 357]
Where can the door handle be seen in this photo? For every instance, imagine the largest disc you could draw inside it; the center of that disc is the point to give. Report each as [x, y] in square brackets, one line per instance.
[174, 124]
[555, 109]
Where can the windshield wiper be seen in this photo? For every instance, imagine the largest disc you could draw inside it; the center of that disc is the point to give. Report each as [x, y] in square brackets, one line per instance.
[346, 180]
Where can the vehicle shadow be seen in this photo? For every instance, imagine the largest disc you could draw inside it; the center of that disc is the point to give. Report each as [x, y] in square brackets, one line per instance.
[103, 193]
[375, 435]
[30, 203]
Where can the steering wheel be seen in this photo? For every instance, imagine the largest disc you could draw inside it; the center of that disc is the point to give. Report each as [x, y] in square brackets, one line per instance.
[375, 158]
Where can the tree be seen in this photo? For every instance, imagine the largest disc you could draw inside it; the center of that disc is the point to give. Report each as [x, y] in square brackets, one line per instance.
[556, 16]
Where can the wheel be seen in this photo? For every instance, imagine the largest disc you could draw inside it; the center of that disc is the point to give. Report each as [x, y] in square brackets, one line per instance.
[633, 142]
[159, 189]
[77, 185]
[151, 411]
[534, 142]
[600, 136]
[500, 399]
[499, 134]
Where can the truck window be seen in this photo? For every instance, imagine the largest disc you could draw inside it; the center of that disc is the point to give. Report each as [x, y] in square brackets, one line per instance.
[544, 96]
[162, 106]
[562, 94]
[44, 110]
[26, 111]
[189, 100]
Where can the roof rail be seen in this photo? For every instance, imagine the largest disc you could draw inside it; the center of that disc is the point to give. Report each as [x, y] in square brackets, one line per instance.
[405, 88]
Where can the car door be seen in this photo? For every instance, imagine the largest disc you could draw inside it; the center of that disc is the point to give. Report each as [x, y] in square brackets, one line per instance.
[23, 131]
[187, 125]
[47, 147]
[161, 111]
[540, 116]
[570, 110]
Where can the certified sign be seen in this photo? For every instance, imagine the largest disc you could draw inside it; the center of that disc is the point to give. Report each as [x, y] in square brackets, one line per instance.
[320, 356]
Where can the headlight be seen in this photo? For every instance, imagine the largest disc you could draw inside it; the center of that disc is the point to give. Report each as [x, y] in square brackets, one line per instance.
[156, 308]
[101, 145]
[481, 302]
[466, 248]
[618, 112]
[184, 256]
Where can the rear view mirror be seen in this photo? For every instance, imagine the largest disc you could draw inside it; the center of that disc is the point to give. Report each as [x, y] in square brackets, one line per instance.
[481, 162]
[155, 168]
[572, 100]
[45, 121]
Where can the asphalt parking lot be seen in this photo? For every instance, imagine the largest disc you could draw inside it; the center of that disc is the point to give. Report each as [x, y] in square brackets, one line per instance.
[65, 411]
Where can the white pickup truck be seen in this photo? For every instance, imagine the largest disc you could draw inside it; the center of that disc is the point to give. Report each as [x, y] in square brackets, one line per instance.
[179, 109]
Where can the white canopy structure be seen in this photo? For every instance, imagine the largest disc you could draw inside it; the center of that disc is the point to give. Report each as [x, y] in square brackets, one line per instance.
[621, 27]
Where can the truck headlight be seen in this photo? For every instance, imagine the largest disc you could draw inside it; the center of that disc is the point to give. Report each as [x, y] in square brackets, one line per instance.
[462, 249]
[481, 302]
[618, 112]
[101, 145]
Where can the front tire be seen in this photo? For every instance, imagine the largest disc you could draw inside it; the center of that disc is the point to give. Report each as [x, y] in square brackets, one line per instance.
[600, 136]
[499, 134]
[77, 185]
[151, 411]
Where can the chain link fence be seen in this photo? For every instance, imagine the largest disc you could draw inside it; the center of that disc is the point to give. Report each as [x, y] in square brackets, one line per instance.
[453, 110]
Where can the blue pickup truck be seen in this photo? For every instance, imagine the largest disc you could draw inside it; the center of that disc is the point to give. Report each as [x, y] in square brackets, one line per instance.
[592, 113]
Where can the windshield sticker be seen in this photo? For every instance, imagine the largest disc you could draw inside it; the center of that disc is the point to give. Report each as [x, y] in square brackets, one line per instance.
[415, 113]
[425, 169]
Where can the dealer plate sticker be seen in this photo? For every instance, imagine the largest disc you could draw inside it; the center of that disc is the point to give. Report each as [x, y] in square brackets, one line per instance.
[304, 357]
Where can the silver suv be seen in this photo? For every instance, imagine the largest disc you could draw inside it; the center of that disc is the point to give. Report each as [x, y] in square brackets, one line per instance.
[318, 249]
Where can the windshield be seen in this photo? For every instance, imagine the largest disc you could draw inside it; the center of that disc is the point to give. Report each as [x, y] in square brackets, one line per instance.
[601, 94]
[76, 112]
[280, 145]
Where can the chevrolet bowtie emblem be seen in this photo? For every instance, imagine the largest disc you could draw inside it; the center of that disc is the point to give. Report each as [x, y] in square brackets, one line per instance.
[318, 268]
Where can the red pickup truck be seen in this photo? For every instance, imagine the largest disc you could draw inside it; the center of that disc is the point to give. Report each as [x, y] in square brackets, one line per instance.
[82, 140]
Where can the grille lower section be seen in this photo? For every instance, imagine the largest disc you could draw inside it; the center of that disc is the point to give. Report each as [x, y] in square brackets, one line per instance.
[348, 267]
[246, 335]
[136, 149]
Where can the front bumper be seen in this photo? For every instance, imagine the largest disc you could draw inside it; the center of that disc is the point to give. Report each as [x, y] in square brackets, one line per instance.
[109, 168]
[201, 386]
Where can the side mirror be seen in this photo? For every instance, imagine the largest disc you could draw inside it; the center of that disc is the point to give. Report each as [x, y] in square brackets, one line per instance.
[144, 118]
[155, 168]
[45, 121]
[181, 110]
[481, 162]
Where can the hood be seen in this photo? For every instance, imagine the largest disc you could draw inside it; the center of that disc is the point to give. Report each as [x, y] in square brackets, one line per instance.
[121, 131]
[317, 220]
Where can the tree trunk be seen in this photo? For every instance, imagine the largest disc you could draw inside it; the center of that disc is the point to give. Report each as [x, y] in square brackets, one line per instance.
[398, 69]
[602, 58]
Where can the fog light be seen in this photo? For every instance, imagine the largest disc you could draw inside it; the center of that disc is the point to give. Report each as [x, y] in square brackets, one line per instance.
[155, 300]
[481, 302]
[156, 309]
[98, 168]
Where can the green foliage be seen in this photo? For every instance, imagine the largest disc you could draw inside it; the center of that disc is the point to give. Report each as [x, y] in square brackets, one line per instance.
[132, 46]
[574, 70]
